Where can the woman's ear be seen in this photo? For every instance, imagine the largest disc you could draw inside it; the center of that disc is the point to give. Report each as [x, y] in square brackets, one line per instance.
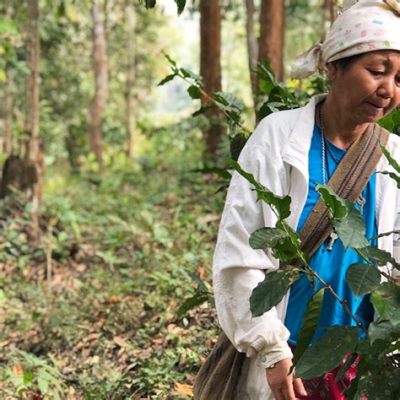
[332, 69]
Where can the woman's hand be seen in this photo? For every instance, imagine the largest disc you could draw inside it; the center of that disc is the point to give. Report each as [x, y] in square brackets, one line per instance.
[283, 385]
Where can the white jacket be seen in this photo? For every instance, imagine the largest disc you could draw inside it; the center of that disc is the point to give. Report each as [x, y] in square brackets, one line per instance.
[277, 155]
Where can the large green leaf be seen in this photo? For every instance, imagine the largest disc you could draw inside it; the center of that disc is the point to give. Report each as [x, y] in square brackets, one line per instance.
[386, 300]
[281, 204]
[363, 278]
[327, 353]
[271, 290]
[351, 229]
[347, 220]
[338, 207]
[309, 326]
[380, 257]
[383, 330]
[266, 237]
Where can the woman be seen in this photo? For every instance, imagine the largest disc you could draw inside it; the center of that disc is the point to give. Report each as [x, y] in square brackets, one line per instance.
[288, 153]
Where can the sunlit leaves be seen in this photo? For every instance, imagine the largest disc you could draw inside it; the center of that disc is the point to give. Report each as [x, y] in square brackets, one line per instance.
[363, 278]
[378, 256]
[327, 353]
[396, 166]
[271, 290]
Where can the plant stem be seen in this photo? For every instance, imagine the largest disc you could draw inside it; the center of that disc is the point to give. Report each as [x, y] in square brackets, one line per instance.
[212, 100]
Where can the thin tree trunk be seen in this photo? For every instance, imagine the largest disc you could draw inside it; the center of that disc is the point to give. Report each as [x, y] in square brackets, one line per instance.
[34, 152]
[252, 48]
[8, 114]
[100, 69]
[271, 42]
[130, 78]
[210, 70]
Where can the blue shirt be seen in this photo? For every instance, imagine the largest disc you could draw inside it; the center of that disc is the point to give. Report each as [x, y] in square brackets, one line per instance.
[331, 265]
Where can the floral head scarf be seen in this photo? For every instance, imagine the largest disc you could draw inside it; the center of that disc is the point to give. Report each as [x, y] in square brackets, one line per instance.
[368, 25]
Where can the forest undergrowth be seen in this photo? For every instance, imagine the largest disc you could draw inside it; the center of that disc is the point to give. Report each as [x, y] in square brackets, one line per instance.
[94, 310]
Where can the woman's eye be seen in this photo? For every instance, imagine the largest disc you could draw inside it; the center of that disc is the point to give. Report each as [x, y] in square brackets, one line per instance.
[376, 72]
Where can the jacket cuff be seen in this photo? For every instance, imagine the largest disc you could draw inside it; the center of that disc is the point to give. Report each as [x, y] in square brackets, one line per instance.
[271, 355]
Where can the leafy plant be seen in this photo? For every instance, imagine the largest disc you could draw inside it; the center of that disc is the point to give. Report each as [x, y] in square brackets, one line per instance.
[379, 350]
[31, 374]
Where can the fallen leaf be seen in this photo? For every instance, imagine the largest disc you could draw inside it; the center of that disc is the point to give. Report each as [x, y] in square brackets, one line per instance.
[183, 388]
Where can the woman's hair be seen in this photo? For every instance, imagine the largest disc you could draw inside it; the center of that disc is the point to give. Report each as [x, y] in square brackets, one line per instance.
[344, 63]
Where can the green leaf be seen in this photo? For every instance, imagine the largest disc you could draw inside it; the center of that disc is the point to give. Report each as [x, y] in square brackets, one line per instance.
[186, 73]
[327, 353]
[363, 278]
[383, 330]
[236, 145]
[386, 301]
[194, 92]
[394, 176]
[337, 206]
[181, 5]
[266, 237]
[351, 230]
[150, 3]
[380, 257]
[43, 385]
[280, 204]
[192, 302]
[166, 79]
[390, 159]
[271, 290]
[309, 325]
[202, 110]
[169, 58]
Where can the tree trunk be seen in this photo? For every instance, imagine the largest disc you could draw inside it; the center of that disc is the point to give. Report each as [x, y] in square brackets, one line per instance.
[272, 33]
[130, 78]
[34, 157]
[252, 49]
[210, 70]
[328, 14]
[100, 70]
[8, 113]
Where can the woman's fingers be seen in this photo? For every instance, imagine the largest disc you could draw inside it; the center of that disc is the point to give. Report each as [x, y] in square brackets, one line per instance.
[299, 387]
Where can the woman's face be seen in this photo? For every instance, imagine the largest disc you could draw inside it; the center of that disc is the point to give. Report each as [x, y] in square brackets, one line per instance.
[368, 88]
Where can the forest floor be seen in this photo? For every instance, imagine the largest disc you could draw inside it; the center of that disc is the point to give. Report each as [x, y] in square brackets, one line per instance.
[93, 310]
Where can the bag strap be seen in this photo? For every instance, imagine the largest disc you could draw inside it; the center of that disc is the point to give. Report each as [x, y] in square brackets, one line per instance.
[348, 181]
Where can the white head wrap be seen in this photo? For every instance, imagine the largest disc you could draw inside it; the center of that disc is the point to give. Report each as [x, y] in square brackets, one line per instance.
[368, 25]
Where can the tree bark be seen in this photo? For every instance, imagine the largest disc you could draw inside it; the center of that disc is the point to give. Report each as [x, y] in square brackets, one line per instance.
[130, 78]
[272, 32]
[8, 114]
[100, 70]
[34, 157]
[252, 49]
[210, 70]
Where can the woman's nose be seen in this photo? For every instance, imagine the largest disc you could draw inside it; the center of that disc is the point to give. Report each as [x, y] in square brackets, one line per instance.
[387, 87]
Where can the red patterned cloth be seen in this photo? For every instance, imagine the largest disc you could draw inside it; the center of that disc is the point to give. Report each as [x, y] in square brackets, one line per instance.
[325, 387]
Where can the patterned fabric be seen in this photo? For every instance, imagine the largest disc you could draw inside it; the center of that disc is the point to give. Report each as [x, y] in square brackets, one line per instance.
[368, 25]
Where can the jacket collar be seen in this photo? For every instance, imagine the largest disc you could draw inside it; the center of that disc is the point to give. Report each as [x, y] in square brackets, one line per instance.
[297, 148]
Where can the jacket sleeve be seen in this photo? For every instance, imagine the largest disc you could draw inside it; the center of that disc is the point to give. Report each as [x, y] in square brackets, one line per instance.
[237, 268]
